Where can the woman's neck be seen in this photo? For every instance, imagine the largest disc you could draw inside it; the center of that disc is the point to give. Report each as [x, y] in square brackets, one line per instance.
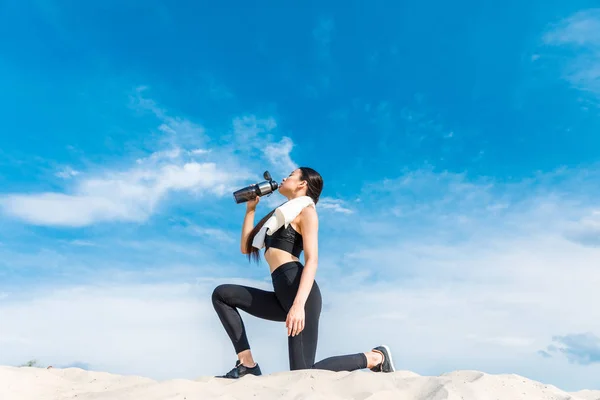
[296, 196]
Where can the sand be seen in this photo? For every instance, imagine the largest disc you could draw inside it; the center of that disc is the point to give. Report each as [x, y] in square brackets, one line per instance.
[31, 383]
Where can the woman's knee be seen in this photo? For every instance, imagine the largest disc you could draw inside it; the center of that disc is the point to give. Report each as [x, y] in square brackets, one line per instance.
[219, 294]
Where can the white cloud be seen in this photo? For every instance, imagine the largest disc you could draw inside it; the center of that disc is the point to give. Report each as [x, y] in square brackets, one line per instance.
[252, 133]
[249, 129]
[184, 129]
[139, 102]
[131, 195]
[214, 233]
[580, 32]
[581, 29]
[336, 205]
[175, 129]
[67, 172]
[171, 154]
[199, 151]
[133, 192]
[79, 242]
[278, 154]
[586, 230]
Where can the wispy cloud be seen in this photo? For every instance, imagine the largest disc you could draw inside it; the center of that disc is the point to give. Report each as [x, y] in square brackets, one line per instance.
[67, 173]
[278, 154]
[79, 242]
[249, 129]
[580, 33]
[336, 205]
[578, 29]
[199, 151]
[214, 233]
[130, 195]
[182, 162]
[587, 230]
[582, 348]
[254, 136]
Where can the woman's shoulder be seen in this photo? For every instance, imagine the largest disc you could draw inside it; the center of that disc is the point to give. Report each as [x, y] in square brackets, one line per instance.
[309, 213]
[306, 212]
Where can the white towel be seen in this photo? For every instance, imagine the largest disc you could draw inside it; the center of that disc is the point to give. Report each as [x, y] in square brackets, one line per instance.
[283, 215]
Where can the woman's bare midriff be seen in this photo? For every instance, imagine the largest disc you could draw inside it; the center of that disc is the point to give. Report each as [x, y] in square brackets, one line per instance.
[277, 257]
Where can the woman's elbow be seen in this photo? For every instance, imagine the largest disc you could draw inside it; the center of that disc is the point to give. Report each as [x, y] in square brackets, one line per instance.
[311, 260]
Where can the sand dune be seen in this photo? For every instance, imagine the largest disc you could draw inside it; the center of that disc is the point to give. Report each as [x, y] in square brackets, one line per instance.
[28, 383]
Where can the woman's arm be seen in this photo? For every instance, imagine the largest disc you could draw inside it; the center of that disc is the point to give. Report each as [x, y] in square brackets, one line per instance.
[248, 224]
[309, 226]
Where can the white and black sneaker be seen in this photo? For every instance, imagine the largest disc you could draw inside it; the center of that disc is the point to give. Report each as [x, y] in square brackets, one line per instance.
[387, 365]
[240, 370]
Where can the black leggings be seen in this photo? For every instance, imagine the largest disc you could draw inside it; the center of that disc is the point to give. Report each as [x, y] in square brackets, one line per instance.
[228, 299]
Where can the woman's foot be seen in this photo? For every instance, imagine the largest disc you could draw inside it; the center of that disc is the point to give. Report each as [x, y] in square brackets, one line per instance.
[241, 370]
[386, 364]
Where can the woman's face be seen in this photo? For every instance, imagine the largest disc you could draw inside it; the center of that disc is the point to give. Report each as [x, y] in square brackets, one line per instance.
[290, 184]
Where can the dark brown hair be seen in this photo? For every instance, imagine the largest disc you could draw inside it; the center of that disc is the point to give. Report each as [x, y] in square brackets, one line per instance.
[314, 187]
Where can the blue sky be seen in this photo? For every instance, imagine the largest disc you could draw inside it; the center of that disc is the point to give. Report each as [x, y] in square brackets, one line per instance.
[458, 143]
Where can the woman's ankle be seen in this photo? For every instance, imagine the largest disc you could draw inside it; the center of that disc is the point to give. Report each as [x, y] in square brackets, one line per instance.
[246, 359]
[374, 358]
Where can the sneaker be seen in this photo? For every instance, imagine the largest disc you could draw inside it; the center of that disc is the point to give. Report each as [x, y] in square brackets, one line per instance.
[387, 365]
[240, 370]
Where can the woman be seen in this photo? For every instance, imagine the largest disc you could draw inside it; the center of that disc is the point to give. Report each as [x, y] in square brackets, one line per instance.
[296, 300]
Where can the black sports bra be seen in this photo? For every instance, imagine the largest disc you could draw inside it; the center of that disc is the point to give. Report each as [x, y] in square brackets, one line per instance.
[286, 239]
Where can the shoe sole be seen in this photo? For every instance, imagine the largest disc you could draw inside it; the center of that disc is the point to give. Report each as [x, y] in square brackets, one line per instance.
[389, 354]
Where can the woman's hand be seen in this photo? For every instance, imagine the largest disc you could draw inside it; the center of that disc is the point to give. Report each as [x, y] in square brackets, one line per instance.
[251, 204]
[295, 320]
